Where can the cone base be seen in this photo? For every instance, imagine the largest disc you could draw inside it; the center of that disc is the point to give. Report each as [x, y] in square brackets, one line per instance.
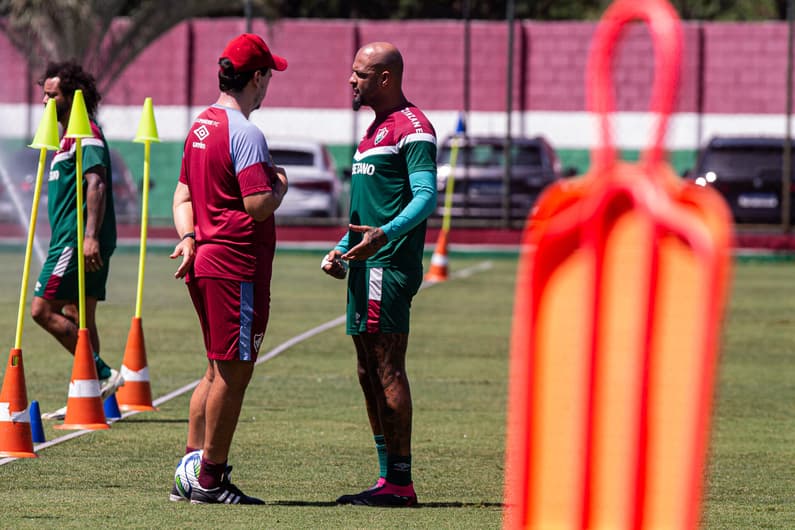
[139, 408]
[135, 395]
[82, 426]
[435, 277]
[17, 454]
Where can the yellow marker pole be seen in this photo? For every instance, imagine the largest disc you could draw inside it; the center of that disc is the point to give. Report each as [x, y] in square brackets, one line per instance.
[79, 127]
[136, 394]
[438, 266]
[46, 138]
[144, 227]
[147, 133]
[81, 266]
[448, 192]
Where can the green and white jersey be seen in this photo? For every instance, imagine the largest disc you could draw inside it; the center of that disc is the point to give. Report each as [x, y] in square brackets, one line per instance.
[401, 143]
[62, 191]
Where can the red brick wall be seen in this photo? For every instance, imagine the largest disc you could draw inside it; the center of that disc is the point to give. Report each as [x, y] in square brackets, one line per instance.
[555, 63]
[160, 72]
[745, 68]
[14, 82]
[740, 69]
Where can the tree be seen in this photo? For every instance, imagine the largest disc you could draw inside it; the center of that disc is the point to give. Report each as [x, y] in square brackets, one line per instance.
[105, 36]
[523, 9]
[739, 10]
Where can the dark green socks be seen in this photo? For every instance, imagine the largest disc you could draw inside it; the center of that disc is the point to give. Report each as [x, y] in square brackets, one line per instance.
[380, 447]
[398, 470]
[103, 370]
[395, 469]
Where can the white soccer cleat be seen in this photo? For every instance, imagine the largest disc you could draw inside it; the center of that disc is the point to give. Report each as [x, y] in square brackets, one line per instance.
[109, 385]
[59, 414]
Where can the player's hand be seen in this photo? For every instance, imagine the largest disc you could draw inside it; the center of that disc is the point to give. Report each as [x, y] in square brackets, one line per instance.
[187, 249]
[281, 184]
[333, 265]
[372, 240]
[91, 254]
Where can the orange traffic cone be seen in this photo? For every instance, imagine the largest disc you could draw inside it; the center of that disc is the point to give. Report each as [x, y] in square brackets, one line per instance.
[84, 408]
[16, 439]
[438, 270]
[136, 394]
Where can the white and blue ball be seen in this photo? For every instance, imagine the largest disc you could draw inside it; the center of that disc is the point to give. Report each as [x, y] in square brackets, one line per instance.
[186, 476]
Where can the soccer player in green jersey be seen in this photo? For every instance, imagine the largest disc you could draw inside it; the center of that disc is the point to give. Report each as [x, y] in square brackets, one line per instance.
[393, 191]
[55, 301]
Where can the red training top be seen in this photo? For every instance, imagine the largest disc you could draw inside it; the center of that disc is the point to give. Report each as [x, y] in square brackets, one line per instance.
[226, 158]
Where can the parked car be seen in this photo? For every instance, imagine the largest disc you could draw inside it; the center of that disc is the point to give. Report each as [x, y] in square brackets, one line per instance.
[314, 186]
[747, 172]
[479, 175]
[19, 169]
[7, 211]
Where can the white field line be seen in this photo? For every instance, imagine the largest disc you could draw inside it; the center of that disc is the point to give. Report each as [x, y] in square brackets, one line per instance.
[289, 343]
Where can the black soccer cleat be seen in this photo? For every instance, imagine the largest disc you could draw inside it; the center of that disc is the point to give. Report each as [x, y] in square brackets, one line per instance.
[387, 495]
[225, 493]
[347, 499]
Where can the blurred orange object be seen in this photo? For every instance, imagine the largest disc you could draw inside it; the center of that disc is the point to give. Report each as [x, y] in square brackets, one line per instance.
[620, 294]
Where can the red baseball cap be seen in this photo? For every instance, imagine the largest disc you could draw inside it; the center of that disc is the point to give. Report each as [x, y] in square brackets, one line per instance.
[249, 52]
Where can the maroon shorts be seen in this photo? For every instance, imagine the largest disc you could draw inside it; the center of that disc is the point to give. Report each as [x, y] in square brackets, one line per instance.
[233, 316]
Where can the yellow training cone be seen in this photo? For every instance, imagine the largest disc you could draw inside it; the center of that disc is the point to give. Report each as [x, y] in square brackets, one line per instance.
[147, 128]
[79, 126]
[47, 133]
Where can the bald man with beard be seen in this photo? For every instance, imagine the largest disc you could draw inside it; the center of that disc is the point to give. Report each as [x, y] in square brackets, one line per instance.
[393, 191]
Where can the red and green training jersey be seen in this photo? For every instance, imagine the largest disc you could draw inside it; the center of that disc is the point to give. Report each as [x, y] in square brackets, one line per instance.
[401, 143]
[62, 191]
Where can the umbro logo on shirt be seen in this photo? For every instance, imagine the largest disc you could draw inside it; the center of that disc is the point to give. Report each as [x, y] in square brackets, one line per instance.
[201, 133]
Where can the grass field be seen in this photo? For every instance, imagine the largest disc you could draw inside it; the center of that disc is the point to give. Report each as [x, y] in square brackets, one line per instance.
[303, 437]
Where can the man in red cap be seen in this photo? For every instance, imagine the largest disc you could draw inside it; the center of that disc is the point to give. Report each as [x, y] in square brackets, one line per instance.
[223, 210]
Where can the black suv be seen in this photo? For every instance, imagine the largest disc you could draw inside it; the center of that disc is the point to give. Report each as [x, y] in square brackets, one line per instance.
[747, 172]
[479, 175]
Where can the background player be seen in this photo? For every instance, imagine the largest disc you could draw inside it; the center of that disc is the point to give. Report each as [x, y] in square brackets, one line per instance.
[55, 302]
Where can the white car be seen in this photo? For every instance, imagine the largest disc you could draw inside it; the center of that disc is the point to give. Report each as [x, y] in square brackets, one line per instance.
[19, 169]
[314, 188]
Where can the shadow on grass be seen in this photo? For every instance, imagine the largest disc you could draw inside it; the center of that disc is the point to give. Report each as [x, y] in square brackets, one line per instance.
[420, 505]
[146, 420]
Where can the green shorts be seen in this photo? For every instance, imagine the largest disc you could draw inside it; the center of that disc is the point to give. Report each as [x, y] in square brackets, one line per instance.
[58, 278]
[379, 299]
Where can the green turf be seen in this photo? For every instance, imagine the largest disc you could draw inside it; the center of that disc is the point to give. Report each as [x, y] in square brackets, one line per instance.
[750, 480]
[303, 437]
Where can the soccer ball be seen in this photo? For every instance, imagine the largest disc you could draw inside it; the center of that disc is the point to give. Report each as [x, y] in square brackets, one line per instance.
[186, 476]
